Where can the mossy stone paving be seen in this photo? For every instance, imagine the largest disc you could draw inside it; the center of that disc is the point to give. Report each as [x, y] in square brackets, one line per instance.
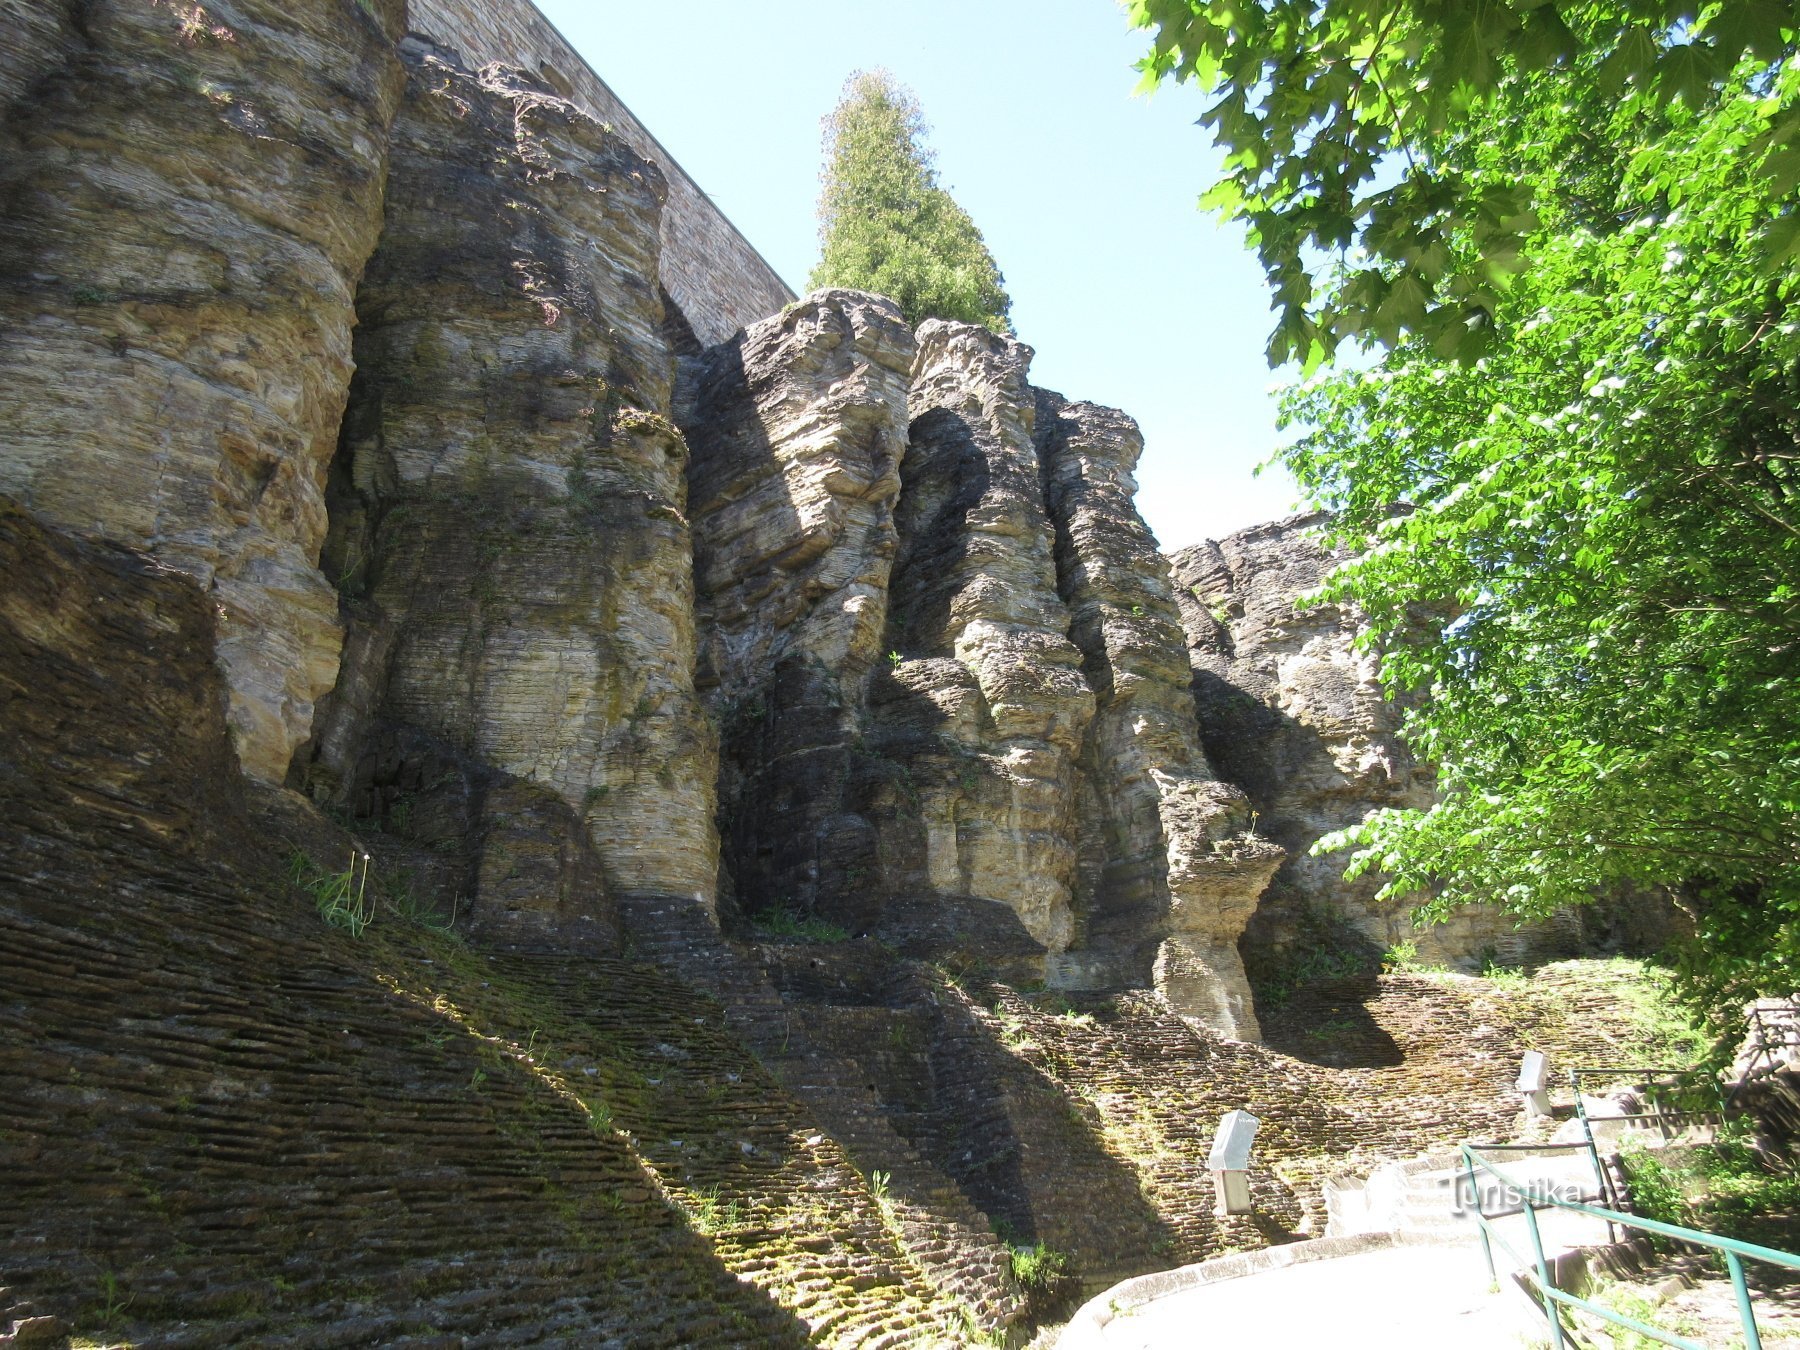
[229, 1125]
[1438, 1058]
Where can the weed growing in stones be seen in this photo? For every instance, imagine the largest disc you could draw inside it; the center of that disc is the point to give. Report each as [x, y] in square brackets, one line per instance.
[709, 1215]
[878, 1188]
[786, 921]
[342, 898]
[113, 1300]
[405, 902]
[1512, 978]
[1038, 1266]
[1402, 956]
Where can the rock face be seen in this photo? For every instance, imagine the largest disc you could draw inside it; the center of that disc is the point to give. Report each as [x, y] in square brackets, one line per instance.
[948, 665]
[1181, 871]
[104, 655]
[890, 649]
[458, 597]
[984, 707]
[797, 428]
[40, 36]
[507, 514]
[189, 200]
[1294, 714]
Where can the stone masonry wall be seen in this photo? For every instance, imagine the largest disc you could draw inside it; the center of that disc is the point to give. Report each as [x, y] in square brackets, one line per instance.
[719, 281]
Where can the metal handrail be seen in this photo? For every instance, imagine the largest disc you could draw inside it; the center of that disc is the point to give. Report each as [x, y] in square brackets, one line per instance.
[1733, 1249]
[1763, 1063]
[1602, 1177]
[1640, 1074]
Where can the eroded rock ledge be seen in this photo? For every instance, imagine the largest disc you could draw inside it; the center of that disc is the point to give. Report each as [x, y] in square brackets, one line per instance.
[946, 660]
[1293, 711]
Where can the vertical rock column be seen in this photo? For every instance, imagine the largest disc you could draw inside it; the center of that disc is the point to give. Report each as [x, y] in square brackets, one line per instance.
[188, 200]
[508, 503]
[797, 428]
[984, 707]
[1182, 874]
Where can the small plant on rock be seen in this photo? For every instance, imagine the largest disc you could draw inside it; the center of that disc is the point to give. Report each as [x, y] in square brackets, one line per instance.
[113, 1299]
[786, 921]
[1038, 1267]
[878, 1187]
[342, 898]
[1403, 956]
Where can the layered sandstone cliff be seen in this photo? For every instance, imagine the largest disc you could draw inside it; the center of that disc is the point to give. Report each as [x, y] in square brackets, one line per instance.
[186, 203]
[1292, 710]
[798, 427]
[459, 596]
[983, 705]
[363, 492]
[1181, 865]
[507, 513]
[946, 662]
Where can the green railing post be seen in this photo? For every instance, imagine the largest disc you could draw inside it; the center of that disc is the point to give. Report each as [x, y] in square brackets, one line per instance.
[1735, 1263]
[1603, 1183]
[1543, 1267]
[1487, 1247]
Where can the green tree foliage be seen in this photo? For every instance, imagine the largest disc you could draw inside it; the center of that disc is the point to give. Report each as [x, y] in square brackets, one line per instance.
[884, 223]
[1575, 496]
[1342, 123]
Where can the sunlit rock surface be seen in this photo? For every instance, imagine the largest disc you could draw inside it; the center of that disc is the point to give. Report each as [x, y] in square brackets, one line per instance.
[1180, 873]
[984, 705]
[508, 507]
[797, 429]
[1294, 713]
[186, 201]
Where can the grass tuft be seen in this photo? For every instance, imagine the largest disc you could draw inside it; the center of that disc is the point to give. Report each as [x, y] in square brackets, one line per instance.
[342, 898]
[786, 921]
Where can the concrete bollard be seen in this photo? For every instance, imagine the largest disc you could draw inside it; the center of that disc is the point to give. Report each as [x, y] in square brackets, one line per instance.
[1533, 1084]
[1229, 1162]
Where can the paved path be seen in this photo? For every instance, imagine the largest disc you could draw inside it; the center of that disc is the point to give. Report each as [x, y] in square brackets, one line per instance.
[1412, 1296]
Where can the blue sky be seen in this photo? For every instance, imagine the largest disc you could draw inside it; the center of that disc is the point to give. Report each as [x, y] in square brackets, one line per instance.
[1085, 194]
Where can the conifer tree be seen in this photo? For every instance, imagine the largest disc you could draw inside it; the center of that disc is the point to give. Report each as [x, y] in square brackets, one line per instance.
[884, 223]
